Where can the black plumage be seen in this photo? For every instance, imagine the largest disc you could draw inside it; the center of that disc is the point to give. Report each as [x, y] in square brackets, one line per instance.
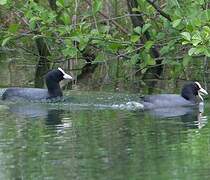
[188, 97]
[53, 90]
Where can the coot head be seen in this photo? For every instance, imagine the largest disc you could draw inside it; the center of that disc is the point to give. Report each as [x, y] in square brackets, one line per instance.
[52, 82]
[191, 90]
[56, 75]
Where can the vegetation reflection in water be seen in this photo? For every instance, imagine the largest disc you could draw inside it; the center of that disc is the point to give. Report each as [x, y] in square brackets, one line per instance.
[67, 141]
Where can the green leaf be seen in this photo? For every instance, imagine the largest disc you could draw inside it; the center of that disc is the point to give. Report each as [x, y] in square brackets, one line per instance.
[69, 52]
[148, 45]
[60, 3]
[201, 2]
[83, 43]
[136, 10]
[197, 22]
[172, 62]
[137, 30]
[160, 35]
[114, 47]
[65, 18]
[185, 42]
[186, 36]
[150, 60]
[97, 6]
[197, 36]
[68, 42]
[104, 29]
[177, 3]
[195, 42]
[134, 59]
[206, 29]
[75, 38]
[134, 38]
[192, 51]
[176, 23]
[196, 39]
[32, 22]
[3, 2]
[32, 25]
[6, 40]
[207, 52]
[13, 28]
[94, 32]
[164, 50]
[147, 59]
[200, 50]
[146, 27]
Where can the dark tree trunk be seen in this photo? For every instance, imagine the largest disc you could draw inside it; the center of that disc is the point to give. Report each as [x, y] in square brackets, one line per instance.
[153, 72]
[43, 63]
[89, 68]
[53, 5]
[137, 20]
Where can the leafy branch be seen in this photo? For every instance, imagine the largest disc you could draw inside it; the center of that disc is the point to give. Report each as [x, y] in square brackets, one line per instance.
[158, 9]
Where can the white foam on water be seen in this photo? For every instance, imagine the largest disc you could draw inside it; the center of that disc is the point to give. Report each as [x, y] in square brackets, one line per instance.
[132, 105]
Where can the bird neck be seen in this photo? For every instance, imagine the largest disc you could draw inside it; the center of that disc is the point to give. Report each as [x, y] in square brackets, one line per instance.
[188, 94]
[54, 89]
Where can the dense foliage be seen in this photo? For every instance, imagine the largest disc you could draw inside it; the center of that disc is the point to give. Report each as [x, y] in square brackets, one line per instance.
[91, 31]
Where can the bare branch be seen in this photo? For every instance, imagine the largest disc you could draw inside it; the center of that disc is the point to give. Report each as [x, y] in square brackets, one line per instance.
[122, 29]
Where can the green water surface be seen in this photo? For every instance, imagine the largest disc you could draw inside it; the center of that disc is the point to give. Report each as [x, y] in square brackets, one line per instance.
[77, 140]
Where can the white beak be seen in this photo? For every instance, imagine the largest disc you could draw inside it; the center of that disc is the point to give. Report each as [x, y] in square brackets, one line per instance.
[65, 76]
[202, 92]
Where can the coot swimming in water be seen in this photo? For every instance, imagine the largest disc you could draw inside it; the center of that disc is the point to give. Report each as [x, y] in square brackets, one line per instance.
[53, 90]
[187, 97]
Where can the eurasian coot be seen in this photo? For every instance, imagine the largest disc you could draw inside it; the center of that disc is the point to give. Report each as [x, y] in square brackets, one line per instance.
[53, 90]
[187, 97]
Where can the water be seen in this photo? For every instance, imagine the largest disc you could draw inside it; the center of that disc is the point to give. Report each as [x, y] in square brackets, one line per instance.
[89, 138]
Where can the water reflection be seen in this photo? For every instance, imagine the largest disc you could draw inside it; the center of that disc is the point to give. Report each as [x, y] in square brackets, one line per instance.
[54, 117]
[191, 117]
[81, 141]
[194, 120]
[36, 111]
[31, 110]
[98, 144]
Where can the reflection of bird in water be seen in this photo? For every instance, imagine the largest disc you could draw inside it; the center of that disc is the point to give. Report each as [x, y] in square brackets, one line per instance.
[201, 120]
[194, 120]
[34, 110]
[29, 110]
[54, 117]
[190, 116]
